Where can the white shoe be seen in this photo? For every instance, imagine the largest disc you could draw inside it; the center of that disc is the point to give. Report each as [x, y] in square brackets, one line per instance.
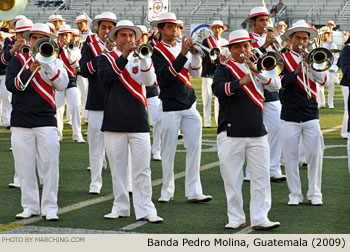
[24, 215]
[89, 169]
[157, 157]
[316, 202]
[199, 198]
[207, 125]
[51, 217]
[279, 177]
[293, 202]
[165, 199]
[14, 185]
[267, 225]
[94, 191]
[113, 216]
[152, 218]
[235, 226]
[79, 139]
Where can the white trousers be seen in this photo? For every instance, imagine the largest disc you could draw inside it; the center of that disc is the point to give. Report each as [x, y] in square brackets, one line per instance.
[314, 147]
[117, 148]
[271, 117]
[154, 111]
[321, 100]
[26, 143]
[344, 129]
[207, 95]
[96, 148]
[333, 79]
[71, 97]
[5, 98]
[191, 124]
[83, 85]
[232, 152]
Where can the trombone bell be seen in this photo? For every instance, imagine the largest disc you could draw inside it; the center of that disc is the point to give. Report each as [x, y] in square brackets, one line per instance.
[270, 64]
[320, 59]
[9, 9]
[45, 50]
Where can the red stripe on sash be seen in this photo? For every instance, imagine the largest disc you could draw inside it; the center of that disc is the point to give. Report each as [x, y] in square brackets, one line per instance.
[183, 75]
[249, 88]
[126, 79]
[3, 59]
[67, 66]
[292, 65]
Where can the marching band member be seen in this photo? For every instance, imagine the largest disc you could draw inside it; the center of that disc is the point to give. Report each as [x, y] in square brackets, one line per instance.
[52, 27]
[331, 25]
[179, 29]
[259, 19]
[153, 103]
[57, 21]
[82, 24]
[96, 44]
[242, 134]
[69, 95]
[300, 117]
[33, 126]
[209, 66]
[123, 76]
[173, 63]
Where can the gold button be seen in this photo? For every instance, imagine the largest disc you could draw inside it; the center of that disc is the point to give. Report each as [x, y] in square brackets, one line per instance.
[229, 125]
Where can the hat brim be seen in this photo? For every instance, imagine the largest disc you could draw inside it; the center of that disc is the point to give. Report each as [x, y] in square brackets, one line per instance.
[260, 14]
[223, 26]
[312, 32]
[138, 32]
[27, 34]
[240, 40]
[23, 29]
[156, 22]
[96, 21]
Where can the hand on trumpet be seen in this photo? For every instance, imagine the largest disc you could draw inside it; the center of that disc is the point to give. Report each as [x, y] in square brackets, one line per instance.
[18, 44]
[186, 45]
[270, 39]
[128, 47]
[246, 79]
[251, 65]
[34, 65]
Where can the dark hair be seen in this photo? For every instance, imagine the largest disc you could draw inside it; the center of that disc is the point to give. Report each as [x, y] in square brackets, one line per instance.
[291, 35]
[253, 18]
[161, 25]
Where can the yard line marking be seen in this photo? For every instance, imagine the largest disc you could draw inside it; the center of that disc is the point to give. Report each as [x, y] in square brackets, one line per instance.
[246, 230]
[331, 129]
[90, 202]
[134, 225]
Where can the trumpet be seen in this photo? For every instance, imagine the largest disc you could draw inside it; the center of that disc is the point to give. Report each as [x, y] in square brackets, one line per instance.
[198, 48]
[257, 88]
[144, 51]
[108, 41]
[25, 48]
[70, 46]
[45, 51]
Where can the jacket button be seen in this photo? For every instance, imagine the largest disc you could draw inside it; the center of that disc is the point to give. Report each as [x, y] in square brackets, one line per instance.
[229, 125]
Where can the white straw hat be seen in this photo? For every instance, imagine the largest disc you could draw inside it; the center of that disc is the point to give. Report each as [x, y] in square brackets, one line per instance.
[105, 16]
[64, 29]
[39, 28]
[56, 18]
[75, 32]
[24, 25]
[143, 29]
[239, 36]
[165, 17]
[126, 24]
[81, 18]
[12, 22]
[300, 26]
[218, 23]
[259, 11]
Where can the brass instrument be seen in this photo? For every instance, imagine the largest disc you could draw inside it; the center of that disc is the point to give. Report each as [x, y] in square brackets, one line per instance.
[258, 89]
[320, 59]
[70, 46]
[108, 41]
[305, 73]
[144, 51]
[199, 49]
[25, 48]
[45, 51]
[9, 9]
[270, 64]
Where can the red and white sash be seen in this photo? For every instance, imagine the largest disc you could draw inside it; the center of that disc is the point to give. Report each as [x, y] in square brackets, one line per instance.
[126, 79]
[292, 60]
[38, 83]
[71, 70]
[212, 42]
[238, 71]
[96, 45]
[183, 75]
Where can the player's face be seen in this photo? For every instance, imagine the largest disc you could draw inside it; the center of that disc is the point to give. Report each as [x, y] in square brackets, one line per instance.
[168, 32]
[64, 38]
[299, 38]
[260, 24]
[34, 38]
[104, 29]
[238, 48]
[217, 30]
[124, 36]
[82, 26]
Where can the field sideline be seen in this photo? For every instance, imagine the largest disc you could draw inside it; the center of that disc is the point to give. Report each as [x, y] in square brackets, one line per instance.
[81, 212]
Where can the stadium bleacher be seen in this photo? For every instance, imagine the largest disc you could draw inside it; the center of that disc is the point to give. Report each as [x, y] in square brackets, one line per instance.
[232, 12]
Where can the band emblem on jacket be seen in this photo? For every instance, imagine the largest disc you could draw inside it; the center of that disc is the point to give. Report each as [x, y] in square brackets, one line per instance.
[239, 72]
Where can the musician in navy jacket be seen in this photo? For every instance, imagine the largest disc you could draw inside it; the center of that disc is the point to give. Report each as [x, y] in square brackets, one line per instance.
[173, 63]
[34, 127]
[344, 64]
[125, 122]
[242, 135]
[300, 117]
[96, 44]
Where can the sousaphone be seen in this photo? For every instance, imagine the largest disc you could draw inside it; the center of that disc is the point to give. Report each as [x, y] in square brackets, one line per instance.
[9, 9]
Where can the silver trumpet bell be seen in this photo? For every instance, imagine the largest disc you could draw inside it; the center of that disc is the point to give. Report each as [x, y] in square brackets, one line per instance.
[144, 51]
[270, 64]
[25, 48]
[320, 59]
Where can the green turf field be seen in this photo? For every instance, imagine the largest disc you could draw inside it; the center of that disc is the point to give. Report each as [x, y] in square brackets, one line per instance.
[179, 216]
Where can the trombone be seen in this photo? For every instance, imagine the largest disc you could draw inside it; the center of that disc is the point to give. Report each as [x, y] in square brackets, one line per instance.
[305, 73]
[45, 51]
[257, 88]
[270, 64]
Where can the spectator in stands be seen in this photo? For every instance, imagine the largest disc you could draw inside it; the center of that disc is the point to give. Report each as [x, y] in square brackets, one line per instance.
[280, 6]
[273, 13]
